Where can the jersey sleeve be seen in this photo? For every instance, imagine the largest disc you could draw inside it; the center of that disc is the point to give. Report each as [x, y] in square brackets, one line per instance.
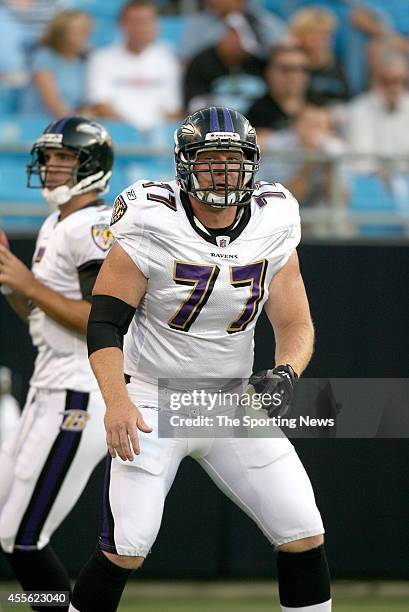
[282, 218]
[293, 222]
[128, 226]
[90, 240]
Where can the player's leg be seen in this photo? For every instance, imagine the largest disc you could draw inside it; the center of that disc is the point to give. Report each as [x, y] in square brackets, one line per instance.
[268, 481]
[11, 446]
[133, 505]
[304, 580]
[52, 459]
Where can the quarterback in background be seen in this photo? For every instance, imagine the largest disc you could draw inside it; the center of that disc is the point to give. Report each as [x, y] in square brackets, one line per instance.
[45, 465]
[195, 261]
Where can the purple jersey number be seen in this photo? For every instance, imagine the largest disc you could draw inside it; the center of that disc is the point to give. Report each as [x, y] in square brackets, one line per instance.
[252, 275]
[203, 277]
[168, 200]
[261, 200]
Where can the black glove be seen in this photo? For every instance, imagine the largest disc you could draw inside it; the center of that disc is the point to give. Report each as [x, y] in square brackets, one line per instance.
[277, 383]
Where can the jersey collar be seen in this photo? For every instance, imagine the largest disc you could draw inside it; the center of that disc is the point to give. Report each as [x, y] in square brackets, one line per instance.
[96, 202]
[233, 233]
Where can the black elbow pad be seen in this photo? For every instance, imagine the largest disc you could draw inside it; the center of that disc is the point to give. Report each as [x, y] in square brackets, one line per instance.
[108, 322]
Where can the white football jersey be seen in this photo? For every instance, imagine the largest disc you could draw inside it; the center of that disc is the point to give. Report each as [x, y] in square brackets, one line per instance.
[204, 294]
[62, 247]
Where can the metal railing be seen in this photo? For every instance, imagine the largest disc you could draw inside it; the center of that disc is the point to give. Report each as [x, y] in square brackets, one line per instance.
[336, 213]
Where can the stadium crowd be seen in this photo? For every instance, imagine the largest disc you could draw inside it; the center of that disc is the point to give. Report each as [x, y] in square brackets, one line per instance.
[319, 80]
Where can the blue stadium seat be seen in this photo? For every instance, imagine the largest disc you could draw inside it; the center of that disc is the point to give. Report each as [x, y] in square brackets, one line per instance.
[106, 31]
[15, 129]
[370, 194]
[10, 98]
[13, 180]
[123, 133]
[14, 192]
[97, 8]
[148, 167]
[171, 30]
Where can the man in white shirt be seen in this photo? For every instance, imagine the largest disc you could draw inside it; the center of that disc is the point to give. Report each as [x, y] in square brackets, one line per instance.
[378, 121]
[137, 80]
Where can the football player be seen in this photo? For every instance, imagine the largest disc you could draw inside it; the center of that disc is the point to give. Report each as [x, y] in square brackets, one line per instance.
[45, 466]
[195, 261]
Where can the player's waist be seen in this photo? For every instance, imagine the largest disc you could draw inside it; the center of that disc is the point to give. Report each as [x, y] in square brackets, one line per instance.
[183, 384]
[164, 393]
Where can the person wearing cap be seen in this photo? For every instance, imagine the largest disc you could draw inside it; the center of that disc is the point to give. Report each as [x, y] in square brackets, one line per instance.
[228, 73]
[206, 27]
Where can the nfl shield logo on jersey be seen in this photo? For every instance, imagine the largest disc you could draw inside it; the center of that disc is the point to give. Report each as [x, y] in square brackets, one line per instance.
[102, 236]
[223, 241]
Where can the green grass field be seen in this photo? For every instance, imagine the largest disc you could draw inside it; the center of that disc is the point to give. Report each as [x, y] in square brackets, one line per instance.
[246, 597]
[253, 605]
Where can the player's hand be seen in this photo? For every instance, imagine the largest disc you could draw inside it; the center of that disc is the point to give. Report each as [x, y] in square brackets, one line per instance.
[14, 273]
[3, 239]
[277, 387]
[121, 425]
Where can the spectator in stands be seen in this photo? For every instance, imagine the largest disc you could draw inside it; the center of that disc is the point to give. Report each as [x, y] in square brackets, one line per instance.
[228, 73]
[58, 67]
[378, 121]
[206, 28]
[385, 41]
[308, 147]
[287, 80]
[137, 80]
[313, 28]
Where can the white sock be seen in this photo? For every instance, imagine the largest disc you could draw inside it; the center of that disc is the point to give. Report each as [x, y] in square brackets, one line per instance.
[326, 606]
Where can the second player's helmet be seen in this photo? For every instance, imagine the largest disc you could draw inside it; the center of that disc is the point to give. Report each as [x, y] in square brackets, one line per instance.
[92, 145]
[217, 128]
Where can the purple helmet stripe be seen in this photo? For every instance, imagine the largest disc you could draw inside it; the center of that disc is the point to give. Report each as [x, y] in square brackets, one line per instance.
[214, 120]
[59, 127]
[228, 124]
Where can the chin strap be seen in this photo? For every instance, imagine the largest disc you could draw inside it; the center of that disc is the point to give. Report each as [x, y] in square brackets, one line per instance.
[63, 194]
